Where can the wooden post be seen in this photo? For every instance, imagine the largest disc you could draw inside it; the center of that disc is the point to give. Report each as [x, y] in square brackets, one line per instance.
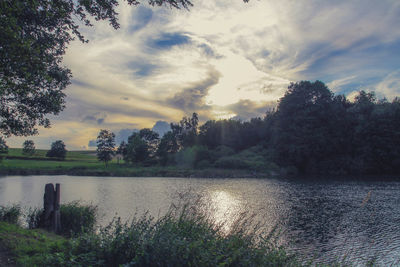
[52, 208]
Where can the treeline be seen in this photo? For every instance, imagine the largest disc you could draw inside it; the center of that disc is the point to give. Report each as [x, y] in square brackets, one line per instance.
[311, 131]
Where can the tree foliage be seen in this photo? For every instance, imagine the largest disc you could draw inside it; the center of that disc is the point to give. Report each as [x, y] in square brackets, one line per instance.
[28, 147]
[34, 36]
[3, 146]
[57, 150]
[105, 146]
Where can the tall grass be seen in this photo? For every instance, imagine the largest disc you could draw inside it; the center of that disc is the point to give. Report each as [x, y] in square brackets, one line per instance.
[182, 237]
[10, 214]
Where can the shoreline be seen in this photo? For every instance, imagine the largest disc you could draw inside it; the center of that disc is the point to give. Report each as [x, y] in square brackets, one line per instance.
[144, 172]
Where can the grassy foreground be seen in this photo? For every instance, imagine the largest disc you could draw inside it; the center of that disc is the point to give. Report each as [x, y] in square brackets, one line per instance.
[85, 163]
[182, 237]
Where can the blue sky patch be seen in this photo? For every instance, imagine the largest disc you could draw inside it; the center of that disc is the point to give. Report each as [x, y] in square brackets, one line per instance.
[168, 40]
[141, 68]
[141, 17]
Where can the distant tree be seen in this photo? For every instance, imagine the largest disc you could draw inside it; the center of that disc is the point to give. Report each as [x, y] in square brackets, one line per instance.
[121, 151]
[3, 147]
[166, 147]
[185, 132]
[105, 146]
[151, 138]
[57, 150]
[137, 149]
[28, 147]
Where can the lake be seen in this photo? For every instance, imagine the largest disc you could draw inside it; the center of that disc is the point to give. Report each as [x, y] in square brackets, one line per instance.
[322, 220]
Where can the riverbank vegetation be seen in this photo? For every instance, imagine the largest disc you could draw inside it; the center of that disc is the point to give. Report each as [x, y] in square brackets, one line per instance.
[182, 237]
[311, 131]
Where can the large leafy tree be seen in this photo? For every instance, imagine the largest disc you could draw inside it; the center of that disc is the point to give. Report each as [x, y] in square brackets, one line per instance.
[105, 146]
[34, 36]
[304, 123]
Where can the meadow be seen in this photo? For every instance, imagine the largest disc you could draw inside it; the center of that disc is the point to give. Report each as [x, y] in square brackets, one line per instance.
[85, 163]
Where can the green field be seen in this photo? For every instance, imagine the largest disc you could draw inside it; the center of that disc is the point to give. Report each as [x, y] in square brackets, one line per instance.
[85, 163]
[16, 160]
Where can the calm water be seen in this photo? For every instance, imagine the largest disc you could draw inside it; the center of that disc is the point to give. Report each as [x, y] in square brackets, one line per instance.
[324, 220]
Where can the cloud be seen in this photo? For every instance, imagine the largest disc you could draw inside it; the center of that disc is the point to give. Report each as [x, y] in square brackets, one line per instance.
[338, 84]
[390, 86]
[141, 17]
[161, 127]
[123, 134]
[92, 143]
[222, 59]
[95, 118]
[192, 98]
[141, 68]
[247, 109]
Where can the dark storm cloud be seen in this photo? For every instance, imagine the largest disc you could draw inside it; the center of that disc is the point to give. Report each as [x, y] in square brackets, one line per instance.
[95, 118]
[192, 98]
[247, 109]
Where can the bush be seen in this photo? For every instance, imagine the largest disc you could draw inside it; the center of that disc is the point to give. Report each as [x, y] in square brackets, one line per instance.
[10, 214]
[76, 218]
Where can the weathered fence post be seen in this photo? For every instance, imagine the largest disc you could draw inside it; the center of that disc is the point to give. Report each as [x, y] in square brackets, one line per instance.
[52, 208]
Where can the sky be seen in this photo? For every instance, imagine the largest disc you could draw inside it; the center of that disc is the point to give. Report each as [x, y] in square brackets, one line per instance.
[221, 59]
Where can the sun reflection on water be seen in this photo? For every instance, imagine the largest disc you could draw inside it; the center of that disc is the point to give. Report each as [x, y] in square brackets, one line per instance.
[225, 208]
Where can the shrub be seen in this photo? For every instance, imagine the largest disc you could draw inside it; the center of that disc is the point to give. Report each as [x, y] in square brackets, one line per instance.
[10, 214]
[76, 218]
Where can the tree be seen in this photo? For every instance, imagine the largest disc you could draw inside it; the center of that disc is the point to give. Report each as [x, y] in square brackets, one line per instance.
[34, 36]
[3, 147]
[185, 131]
[304, 124]
[105, 146]
[166, 147]
[57, 150]
[28, 147]
[151, 138]
[137, 149]
[121, 151]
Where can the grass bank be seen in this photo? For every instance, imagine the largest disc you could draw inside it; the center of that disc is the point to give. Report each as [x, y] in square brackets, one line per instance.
[182, 237]
[85, 163]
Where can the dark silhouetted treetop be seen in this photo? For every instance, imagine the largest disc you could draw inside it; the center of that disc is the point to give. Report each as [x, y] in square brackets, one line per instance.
[57, 150]
[33, 39]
